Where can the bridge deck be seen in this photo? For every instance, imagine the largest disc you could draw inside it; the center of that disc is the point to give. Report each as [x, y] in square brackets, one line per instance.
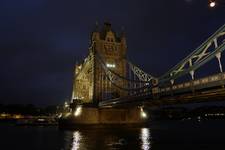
[217, 94]
[197, 97]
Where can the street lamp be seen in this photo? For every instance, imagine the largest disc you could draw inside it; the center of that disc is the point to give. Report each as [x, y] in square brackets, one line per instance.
[214, 3]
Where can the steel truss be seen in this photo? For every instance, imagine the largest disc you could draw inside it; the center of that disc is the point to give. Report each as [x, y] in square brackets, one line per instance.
[211, 48]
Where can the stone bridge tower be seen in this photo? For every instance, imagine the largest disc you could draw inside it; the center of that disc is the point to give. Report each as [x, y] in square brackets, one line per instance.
[91, 85]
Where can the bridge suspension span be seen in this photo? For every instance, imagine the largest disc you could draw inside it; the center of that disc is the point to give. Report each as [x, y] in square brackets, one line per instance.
[109, 78]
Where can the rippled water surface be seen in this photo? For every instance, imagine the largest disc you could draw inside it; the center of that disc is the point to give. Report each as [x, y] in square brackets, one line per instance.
[163, 135]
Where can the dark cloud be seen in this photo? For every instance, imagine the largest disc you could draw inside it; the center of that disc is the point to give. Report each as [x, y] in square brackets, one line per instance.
[40, 40]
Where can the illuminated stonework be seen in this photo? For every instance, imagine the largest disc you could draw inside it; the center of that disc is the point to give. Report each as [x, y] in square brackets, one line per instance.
[90, 81]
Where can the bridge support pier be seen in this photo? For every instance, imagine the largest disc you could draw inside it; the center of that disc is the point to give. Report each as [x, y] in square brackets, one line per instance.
[105, 117]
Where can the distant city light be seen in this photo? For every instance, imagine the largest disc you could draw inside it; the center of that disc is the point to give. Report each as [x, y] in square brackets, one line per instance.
[60, 115]
[68, 114]
[217, 114]
[4, 115]
[212, 4]
[66, 104]
[41, 119]
[78, 111]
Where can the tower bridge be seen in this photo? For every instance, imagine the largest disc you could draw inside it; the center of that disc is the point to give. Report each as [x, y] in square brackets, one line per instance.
[106, 78]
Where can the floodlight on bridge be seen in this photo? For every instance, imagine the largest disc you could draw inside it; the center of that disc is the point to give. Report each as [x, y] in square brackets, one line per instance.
[78, 111]
[143, 113]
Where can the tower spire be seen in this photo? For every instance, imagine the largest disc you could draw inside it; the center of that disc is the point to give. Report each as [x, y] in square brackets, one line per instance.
[122, 32]
[96, 26]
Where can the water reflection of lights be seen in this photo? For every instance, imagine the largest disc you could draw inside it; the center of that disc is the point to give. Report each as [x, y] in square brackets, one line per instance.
[145, 138]
[76, 140]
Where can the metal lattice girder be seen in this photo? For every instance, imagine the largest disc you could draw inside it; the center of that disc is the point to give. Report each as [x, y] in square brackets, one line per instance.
[209, 57]
[140, 73]
[116, 74]
[117, 79]
[197, 58]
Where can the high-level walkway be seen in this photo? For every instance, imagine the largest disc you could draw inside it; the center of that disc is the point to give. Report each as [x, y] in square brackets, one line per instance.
[108, 79]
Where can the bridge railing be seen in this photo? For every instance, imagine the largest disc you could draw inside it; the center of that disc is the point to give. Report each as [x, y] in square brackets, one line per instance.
[198, 84]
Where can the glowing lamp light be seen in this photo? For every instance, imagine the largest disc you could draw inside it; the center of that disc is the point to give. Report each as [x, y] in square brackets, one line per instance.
[60, 115]
[80, 66]
[68, 114]
[66, 105]
[78, 111]
[212, 4]
[3, 115]
[143, 114]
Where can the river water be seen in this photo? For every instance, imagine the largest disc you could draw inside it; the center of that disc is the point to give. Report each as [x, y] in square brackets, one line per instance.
[161, 135]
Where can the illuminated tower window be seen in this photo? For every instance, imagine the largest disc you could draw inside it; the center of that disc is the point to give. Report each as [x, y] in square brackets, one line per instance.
[110, 65]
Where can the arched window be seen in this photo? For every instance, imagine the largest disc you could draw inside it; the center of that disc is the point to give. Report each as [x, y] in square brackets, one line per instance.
[112, 40]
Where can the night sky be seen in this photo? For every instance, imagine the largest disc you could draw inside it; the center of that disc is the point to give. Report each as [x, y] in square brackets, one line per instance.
[40, 40]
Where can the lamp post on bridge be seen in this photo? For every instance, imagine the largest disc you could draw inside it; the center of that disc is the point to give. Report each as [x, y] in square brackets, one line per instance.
[214, 3]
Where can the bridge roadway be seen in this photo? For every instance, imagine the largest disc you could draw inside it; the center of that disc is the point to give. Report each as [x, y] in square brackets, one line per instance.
[196, 97]
[206, 89]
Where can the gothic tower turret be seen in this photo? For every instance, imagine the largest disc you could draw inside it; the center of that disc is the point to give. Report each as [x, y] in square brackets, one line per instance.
[91, 82]
[112, 49]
